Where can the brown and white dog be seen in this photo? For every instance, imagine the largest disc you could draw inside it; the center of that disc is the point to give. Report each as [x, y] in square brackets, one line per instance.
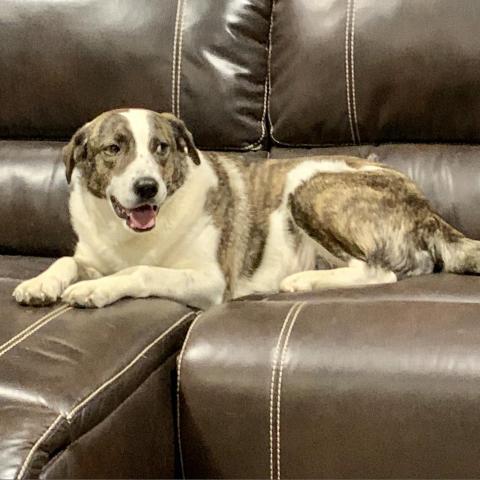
[156, 217]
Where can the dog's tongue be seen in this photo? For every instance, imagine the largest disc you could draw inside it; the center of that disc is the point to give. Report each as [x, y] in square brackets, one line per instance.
[141, 218]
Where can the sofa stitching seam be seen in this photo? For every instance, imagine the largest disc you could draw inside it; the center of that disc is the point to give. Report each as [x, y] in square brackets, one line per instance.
[31, 329]
[280, 377]
[352, 71]
[179, 367]
[179, 55]
[108, 416]
[267, 85]
[272, 384]
[347, 70]
[92, 395]
[174, 56]
[69, 416]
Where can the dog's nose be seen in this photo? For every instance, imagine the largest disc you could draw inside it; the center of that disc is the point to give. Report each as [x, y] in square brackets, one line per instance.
[145, 187]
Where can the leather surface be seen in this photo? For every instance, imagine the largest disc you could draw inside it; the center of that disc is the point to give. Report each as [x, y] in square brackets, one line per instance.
[447, 174]
[18, 267]
[137, 440]
[62, 62]
[34, 199]
[372, 388]
[363, 71]
[63, 374]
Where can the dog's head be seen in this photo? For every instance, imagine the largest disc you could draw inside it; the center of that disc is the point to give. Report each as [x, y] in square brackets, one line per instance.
[134, 159]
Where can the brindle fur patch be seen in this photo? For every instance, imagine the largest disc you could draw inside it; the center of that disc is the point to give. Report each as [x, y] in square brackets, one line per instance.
[376, 216]
[86, 151]
[173, 164]
[221, 205]
[264, 182]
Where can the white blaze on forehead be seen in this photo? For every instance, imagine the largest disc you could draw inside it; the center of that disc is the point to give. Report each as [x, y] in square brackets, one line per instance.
[143, 165]
[139, 124]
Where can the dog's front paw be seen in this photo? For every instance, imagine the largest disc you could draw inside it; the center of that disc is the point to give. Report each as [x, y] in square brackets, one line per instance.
[298, 282]
[90, 294]
[39, 291]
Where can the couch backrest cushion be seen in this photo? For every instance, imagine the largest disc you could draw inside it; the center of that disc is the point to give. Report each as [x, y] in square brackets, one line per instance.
[34, 200]
[63, 62]
[369, 71]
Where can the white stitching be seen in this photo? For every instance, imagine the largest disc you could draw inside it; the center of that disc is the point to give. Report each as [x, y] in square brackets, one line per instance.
[266, 93]
[174, 55]
[31, 329]
[352, 67]
[179, 368]
[279, 387]
[272, 383]
[269, 65]
[127, 367]
[179, 56]
[347, 71]
[23, 468]
[62, 307]
[74, 410]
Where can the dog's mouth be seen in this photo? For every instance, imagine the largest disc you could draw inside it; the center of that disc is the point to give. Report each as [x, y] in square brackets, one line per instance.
[139, 219]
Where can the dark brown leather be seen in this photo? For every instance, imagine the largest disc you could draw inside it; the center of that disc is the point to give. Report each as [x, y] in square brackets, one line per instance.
[19, 267]
[63, 62]
[410, 71]
[65, 375]
[370, 388]
[447, 174]
[34, 199]
[365, 382]
[142, 428]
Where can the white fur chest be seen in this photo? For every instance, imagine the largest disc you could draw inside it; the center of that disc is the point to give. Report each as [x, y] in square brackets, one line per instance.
[184, 237]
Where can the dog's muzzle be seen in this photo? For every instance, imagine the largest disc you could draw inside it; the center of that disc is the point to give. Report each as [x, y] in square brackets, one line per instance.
[139, 219]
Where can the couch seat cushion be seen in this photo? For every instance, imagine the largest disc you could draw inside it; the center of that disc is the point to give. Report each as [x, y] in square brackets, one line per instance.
[376, 382]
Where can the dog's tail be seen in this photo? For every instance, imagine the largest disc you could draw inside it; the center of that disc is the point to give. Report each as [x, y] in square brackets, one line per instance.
[454, 252]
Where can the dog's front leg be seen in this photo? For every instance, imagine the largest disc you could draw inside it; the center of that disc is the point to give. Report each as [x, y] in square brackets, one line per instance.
[47, 287]
[197, 288]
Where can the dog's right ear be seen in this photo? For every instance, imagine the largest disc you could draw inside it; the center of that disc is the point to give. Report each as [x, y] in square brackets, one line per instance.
[76, 150]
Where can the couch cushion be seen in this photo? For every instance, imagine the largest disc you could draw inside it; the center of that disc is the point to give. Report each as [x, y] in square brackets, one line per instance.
[342, 387]
[447, 174]
[63, 62]
[34, 200]
[364, 71]
[18, 267]
[64, 372]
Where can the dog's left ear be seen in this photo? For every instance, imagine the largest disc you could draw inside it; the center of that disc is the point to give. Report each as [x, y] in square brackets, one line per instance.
[76, 150]
[183, 137]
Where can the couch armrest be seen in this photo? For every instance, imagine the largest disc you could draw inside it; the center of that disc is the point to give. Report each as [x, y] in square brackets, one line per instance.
[335, 388]
[81, 390]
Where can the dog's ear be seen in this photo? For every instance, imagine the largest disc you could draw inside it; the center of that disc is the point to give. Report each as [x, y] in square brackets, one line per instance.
[183, 137]
[76, 150]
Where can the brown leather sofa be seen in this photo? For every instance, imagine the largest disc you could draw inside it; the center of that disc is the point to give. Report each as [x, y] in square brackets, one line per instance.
[365, 382]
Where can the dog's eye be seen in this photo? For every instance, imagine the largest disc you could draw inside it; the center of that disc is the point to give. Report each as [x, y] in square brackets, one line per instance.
[162, 148]
[112, 149]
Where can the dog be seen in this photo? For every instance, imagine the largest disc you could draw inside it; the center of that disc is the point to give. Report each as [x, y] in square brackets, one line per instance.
[157, 217]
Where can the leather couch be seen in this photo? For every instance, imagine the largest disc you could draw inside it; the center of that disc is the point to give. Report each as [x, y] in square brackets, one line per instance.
[364, 382]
